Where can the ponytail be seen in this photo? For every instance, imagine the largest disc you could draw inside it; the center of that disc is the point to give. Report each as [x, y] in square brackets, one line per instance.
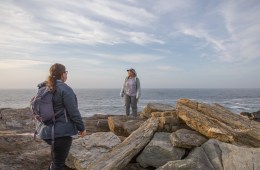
[56, 71]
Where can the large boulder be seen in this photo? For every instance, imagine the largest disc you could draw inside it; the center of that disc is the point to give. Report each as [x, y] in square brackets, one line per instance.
[159, 151]
[123, 125]
[214, 155]
[90, 148]
[157, 107]
[184, 138]
[215, 121]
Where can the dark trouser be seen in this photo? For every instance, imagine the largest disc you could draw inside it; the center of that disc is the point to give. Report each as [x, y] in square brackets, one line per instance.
[131, 101]
[61, 151]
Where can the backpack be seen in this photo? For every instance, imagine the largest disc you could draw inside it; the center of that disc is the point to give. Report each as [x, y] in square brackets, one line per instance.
[42, 107]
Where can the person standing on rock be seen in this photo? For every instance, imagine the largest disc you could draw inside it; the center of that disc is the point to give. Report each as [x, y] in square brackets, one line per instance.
[131, 91]
[68, 120]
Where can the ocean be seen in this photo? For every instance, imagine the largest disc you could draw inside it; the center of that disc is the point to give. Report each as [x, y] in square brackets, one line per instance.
[108, 101]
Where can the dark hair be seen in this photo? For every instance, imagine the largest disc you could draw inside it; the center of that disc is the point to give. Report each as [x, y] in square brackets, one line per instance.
[56, 72]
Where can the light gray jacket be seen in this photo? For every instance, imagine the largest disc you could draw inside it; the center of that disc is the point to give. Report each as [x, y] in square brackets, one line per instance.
[138, 88]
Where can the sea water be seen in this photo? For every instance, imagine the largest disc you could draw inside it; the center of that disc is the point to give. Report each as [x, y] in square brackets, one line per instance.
[108, 101]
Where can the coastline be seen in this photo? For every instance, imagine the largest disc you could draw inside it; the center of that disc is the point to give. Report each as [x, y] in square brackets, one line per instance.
[16, 130]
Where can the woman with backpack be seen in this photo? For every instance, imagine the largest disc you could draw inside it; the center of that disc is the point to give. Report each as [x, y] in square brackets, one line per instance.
[131, 90]
[67, 122]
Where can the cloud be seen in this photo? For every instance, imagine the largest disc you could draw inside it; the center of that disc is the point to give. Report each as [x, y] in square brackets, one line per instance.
[167, 68]
[237, 41]
[164, 6]
[132, 58]
[17, 63]
[242, 22]
[89, 23]
[141, 38]
[119, 12]
[91, 61]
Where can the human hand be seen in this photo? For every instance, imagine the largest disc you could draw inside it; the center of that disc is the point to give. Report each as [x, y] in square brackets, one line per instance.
[82, 133]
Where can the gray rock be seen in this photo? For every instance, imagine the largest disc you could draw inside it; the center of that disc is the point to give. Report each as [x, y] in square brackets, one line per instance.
[159, 151]
[187, 164]
[187, 138]
[90, 148]
[216, 155]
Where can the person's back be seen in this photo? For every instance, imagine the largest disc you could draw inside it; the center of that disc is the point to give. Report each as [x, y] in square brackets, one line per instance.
[67, 122]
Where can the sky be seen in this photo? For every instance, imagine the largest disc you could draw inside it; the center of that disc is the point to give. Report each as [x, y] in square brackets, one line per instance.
[170, 43]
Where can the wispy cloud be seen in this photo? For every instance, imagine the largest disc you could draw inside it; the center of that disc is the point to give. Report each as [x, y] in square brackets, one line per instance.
[133, 58]
[120, 13]
[168, 68]
[17, 63]
[241, 19]
[237, 41]
[141, 38]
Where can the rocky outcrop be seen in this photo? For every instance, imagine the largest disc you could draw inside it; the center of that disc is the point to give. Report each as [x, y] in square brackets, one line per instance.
[159, 151]
[123, 125]
[214, 121]
[16, 120]
[90, 148]
[184, 138]
[216, 155]
[18, 149]
[122, 154]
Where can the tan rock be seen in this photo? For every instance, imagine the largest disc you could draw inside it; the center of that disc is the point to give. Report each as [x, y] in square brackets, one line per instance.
[123, 125]
[215, 121]
[156, 107]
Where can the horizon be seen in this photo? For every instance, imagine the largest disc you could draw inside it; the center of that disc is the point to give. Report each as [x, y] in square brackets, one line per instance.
[117, 88]
[190, 44]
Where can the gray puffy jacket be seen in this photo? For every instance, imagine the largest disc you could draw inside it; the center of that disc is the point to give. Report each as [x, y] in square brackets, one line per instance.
[66, 124]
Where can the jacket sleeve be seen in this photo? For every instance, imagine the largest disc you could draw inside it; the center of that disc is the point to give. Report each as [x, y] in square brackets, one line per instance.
[138, 88]
[122, 91]
[71, 105]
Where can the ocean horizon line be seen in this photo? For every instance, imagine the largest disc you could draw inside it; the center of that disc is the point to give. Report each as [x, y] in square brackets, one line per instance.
[153, 88]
